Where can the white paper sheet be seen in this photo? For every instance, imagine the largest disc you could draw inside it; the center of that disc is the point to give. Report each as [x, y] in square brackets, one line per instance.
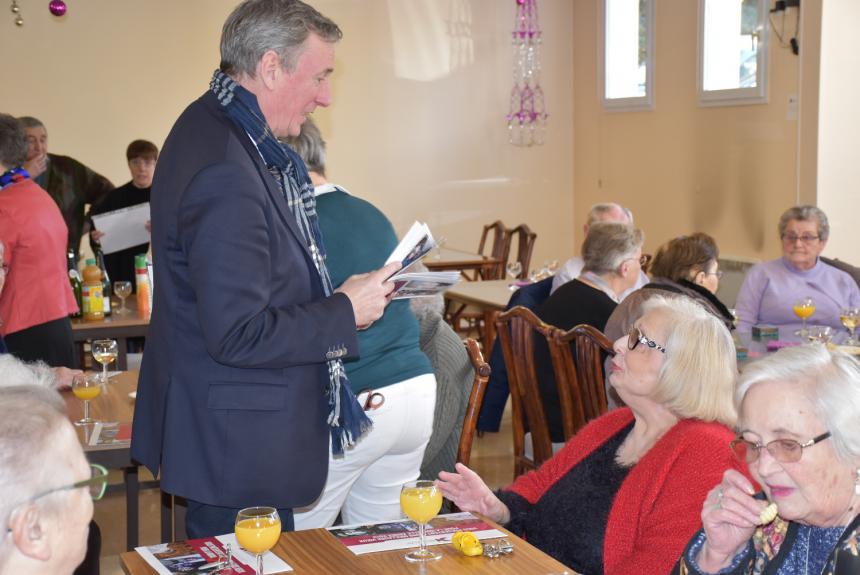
[123, 228]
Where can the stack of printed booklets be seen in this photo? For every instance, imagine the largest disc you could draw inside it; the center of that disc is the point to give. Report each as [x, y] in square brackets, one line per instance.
[416, 244]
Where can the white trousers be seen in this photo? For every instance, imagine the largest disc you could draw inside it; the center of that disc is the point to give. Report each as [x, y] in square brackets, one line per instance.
[364, 484]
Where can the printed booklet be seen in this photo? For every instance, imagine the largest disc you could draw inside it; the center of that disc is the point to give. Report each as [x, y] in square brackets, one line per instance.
[207, 556]
[416, 244]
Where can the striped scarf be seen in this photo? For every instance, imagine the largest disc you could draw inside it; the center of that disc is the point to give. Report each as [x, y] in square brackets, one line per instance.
[346, 419]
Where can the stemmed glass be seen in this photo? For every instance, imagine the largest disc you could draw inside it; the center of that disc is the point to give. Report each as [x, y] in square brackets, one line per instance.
[257, 530]
[86, 386]
[440, 243]
[421, 502]
[122, 289]
[850, 318]
[803, 309]
[514, 269]
[105, 352]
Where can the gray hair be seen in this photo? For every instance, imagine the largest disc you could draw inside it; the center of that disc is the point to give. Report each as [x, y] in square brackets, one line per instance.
[14, 372]
[698, 375]
[608, 245]
[257, 26]
[805, 214]
[832, 380]
[31, 122]
[309, 144]
[597, 211]
[31, 419]
[13, 142]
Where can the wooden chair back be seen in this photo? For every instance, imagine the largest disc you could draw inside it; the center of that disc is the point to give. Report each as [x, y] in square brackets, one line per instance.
[586, 380]
[497, 250]
[476, 398]
[516, 331]
[524, 239]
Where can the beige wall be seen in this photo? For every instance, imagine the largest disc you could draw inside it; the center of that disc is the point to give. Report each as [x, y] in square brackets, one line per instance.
[417, 124]
[839, 120]
[728, 171]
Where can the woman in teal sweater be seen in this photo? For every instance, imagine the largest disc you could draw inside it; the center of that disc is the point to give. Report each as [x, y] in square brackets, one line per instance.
[392, 378]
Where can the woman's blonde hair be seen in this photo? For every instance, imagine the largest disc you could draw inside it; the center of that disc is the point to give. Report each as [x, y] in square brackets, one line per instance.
[697, 380]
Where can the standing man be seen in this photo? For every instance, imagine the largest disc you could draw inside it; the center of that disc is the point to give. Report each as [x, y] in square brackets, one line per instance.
[69, 182]
[598, 213]
[242, 388]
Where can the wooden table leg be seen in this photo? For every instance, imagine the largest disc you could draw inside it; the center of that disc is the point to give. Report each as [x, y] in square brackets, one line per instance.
[132, 506]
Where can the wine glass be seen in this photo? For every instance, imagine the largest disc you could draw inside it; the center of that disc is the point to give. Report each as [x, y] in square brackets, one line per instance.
[440, 243]
[820, 334]
[735, 317]
[105, 352]
[803, 309]
[850, 318]
[514, 268]
[86, 386]
[122, 289]
[257, 530]
[421, 502]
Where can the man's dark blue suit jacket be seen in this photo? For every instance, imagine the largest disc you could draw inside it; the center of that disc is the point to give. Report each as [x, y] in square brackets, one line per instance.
[231, 403]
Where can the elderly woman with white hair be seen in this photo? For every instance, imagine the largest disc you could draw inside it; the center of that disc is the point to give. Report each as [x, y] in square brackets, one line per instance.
[47, 485]
[624, 494]
[771, 288]
[799, 432]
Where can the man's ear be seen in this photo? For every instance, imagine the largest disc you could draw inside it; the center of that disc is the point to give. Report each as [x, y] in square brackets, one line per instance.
[269, 68]
[30, 534]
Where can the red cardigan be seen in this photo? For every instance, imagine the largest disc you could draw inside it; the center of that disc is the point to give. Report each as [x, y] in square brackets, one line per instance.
[658, 506]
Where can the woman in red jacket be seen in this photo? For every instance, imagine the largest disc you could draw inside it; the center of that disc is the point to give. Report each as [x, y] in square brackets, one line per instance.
[624, 495]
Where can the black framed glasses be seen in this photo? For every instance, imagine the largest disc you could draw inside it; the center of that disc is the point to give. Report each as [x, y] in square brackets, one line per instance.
[783, 450]
[805, 238]
[635, 337]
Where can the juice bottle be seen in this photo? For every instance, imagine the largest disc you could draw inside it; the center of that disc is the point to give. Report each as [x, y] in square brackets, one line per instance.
[141, 278]
[92, 296]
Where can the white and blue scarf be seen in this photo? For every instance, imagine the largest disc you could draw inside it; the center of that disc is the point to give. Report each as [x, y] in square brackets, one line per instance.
[347, 420]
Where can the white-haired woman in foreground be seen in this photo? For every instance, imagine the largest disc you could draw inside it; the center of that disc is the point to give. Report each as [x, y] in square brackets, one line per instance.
[799, 432]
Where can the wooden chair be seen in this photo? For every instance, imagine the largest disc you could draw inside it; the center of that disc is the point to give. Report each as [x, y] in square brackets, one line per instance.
[583, 376]
[516, 331]
[476, 398]
[497, 251]
[525, 242]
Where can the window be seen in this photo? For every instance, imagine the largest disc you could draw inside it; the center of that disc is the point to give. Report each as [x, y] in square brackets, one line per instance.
[628, 48]
[732, 52]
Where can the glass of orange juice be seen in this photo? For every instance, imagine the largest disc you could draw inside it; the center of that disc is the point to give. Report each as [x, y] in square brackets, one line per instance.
[86, 386]
[421, 502]
[803, 308]
[257, 531]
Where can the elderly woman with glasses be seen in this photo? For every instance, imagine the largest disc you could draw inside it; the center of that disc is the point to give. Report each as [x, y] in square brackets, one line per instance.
[800, 435]
[48, 486]
[771, 289]
[625, 493]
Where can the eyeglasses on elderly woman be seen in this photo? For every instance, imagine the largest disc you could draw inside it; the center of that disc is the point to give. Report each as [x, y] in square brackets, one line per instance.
[783, 450]
[635, 337]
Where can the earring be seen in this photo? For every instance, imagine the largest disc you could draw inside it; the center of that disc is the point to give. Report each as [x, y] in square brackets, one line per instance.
[857, 481]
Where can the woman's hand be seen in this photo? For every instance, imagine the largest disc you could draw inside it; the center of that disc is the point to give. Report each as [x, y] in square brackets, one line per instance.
[729, 516]
[469, 492]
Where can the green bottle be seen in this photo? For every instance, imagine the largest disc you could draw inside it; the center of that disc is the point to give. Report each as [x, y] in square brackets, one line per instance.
[75, 280]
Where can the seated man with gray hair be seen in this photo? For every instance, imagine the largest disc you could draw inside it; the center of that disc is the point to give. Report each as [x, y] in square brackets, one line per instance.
[47, 505]
[606, 212]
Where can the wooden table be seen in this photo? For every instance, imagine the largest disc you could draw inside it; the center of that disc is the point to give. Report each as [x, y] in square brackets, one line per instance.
[316, 552]
[445, 259]
[490, 297]
[118, 327]
[114, 404]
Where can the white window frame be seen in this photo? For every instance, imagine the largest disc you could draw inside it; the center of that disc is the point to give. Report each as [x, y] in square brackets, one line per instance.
[633, 104]
[736, 96]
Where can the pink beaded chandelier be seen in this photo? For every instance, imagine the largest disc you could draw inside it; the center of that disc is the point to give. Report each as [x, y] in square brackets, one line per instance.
[527, 114]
